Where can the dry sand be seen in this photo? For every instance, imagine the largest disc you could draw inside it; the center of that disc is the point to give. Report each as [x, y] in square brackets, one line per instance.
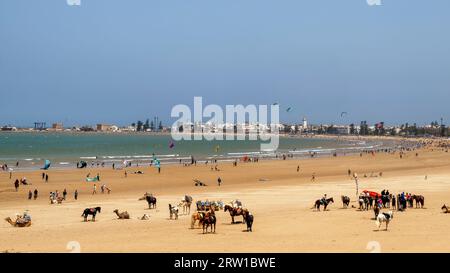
[284, 220]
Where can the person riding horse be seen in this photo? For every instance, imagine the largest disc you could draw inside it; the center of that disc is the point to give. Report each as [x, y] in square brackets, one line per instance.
[324, 199]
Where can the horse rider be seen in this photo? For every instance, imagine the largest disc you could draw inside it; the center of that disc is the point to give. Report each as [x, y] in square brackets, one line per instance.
[324, 199]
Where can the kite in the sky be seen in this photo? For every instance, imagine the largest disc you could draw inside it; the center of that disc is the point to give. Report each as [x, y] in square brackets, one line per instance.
[289, 109]
[343, 113]
[275, 103]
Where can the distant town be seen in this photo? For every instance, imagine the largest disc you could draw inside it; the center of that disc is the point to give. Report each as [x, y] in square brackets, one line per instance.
[434, 129]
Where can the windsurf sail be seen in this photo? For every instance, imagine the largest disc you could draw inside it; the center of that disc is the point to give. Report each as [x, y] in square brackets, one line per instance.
[46, 165]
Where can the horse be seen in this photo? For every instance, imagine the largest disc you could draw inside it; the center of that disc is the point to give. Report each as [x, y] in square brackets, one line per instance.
[345, 201]
[249, 220]
[151, 200]
[420, 200]
[91, 211]
[209, 220]
[173, 210]
[235, 212]
[319, 203]
[385, 217]
[197, 216]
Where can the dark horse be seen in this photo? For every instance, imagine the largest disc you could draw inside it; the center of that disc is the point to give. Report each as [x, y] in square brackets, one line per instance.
[209, 220]
[345, 201]
[151, 200]
[90, 211]
[420, 200]
[249, 220]
[235, 212]
[319, 203]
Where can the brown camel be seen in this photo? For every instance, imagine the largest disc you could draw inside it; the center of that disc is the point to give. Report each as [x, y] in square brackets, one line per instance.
[122, 215]
[18, 223]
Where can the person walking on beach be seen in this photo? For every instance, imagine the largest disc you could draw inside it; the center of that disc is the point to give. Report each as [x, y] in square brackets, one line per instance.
[10, 175]
[102, 188]
[159, 169]
[298, 168]
[219, 181]
[64, 194]
[313, 178]
[43, 176]
[75, 194]
[94, 190]
[126, 174]
[46, 178]
[30, 194]
[16, 184]
[35, 194]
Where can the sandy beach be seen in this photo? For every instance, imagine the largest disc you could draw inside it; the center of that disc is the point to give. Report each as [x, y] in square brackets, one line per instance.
[281, 205]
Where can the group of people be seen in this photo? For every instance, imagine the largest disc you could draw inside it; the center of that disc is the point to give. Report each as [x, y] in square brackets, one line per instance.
[54, 195]
[103, 188]
[33, 195]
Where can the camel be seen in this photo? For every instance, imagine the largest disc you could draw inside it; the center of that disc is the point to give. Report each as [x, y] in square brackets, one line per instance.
[122, 215]
[18, 223]
[144, 217]
[197, 216]
[186, 204]
[57, 200]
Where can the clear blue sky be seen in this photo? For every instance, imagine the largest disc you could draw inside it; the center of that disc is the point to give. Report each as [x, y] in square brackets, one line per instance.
[119, 61]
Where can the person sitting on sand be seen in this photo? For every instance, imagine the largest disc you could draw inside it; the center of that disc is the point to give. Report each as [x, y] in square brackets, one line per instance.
[23, 219]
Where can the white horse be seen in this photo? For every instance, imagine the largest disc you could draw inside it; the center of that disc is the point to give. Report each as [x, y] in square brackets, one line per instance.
[385, 217]
[173, 211]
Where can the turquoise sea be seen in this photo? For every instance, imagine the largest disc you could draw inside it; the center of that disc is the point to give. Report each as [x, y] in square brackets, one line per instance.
[30, 149]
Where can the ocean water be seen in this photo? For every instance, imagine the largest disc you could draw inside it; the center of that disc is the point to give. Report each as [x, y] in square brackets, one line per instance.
[65, 149]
